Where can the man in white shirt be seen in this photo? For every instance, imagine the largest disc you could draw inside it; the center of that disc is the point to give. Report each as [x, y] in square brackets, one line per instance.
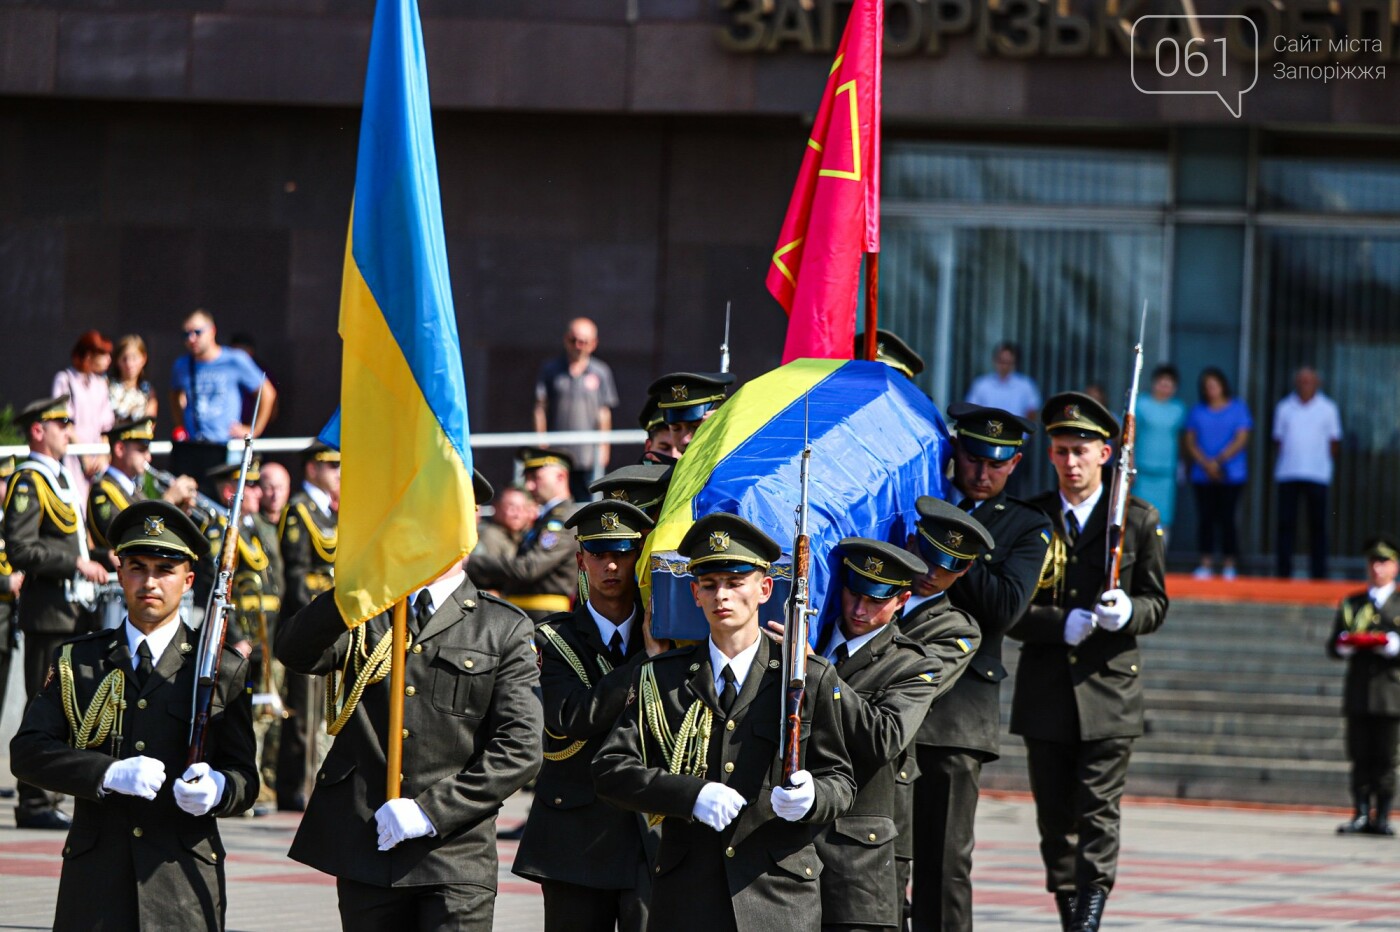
[1004, 387]
[1307, 436]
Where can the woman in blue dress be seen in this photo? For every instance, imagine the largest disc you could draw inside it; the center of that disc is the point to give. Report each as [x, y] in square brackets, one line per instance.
[1159, 421]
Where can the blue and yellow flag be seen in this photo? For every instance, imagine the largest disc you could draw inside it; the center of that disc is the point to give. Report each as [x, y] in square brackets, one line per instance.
[406, 506]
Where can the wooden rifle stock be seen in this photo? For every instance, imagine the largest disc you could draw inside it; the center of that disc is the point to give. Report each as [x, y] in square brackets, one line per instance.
[796, 660]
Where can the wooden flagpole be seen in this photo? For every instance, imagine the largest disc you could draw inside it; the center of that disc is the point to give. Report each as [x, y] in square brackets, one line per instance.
[393, 750]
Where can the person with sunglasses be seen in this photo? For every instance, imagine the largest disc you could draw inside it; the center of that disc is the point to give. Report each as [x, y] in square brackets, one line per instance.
[208, 384]
[45, 538]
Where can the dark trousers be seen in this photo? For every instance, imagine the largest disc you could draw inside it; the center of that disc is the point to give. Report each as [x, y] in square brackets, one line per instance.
[1078, 786]
[571, 908]
[945, 804]
[297, 740]
[1371, 747]
[1217, 506]
[451, 907]
[39, 650]
[1314, 496]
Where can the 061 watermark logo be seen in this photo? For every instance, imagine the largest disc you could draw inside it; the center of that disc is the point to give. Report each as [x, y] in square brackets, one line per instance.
[1174, 55]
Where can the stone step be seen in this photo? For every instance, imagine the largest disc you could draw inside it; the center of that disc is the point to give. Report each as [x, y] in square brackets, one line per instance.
[1280, 665]
[1284, 750]
[1235, 724]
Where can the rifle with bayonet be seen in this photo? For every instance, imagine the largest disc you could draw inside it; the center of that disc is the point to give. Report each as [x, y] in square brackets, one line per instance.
[1126, 469]
[795, 627]
[216, 613]
[724, 347]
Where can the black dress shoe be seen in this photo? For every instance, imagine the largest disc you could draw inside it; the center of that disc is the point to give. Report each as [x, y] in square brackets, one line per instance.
[1064, 902]
[1088, 909]
[1359, 824]
[47, 818]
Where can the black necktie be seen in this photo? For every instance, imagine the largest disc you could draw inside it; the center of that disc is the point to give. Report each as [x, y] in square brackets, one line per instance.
[1071, 526]
[730, 691]
[967, 505]
[63, 479]
[145, 663]
[422, 609]
[616, 652]
[841, 655]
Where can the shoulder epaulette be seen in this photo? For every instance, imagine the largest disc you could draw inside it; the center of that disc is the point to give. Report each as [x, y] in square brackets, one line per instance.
[488, 597]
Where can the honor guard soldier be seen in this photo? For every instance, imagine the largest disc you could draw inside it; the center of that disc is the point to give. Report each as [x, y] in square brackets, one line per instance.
[111, 727]
[541, 578]
[1367, 634]
[893, 352]
[587, 855]
[643, 486]
[45, 539]
[960, 733]
[11, 581]
[471, 738]
[306, 538]
[698, 748]
[686, 399]
[887, 683]
[658, 447]
[1078, 696]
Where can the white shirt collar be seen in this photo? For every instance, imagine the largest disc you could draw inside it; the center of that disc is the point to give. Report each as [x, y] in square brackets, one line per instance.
[438, 592]
[740, 664]
[606, 628]
[1084, 509]
[1379, 596]
[159, 639]
[838, 637]
[128, 484]
[54, 465]
[320, 497]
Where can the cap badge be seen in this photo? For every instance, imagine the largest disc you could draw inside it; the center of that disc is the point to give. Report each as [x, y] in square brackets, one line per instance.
[609, 520]
[955, 539]
[719, 541]
[680, 393]
[994, 428]
[880, 348]
[874, 566]
[619, 495]
[1071, 412]
[155, 527]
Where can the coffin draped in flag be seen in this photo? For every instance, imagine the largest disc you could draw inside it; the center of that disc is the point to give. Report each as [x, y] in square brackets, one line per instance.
[406, 506]
[833, 218]
[878, 443]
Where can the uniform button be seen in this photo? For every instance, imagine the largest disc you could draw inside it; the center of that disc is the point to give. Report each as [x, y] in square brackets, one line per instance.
[140, 745]
[558, 800]
[137, 832]
[140, 703]
[1074, 559]
[987, 557]
[321, 777]
[872, 836]
[468, 664]
[65, 851]
[658, 868]
[409, 691]
[418, 648]
[729, 767]
[1073, 593]
[469, 604]
[1133, 668]
[405, 732]
[729, 852]
[903, 775]
[808, 872]
[213, 855]
[991, 675]
[729, 725]
[1073, 659]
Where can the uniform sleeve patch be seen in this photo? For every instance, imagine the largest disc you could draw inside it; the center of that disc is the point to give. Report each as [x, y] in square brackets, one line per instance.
[1160, 532]
[965, 644]
[836, 691]
[548, 540]
[1045, 536]
[929, 677]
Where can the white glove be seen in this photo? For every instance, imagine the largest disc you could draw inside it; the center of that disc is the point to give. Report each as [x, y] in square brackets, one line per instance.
[1079, 624]
[1392, 644]
[1114, 610]
[400, 820]
[135, 776]
[199, 789]
[793, 804]
[717, 805]
[1344, 650]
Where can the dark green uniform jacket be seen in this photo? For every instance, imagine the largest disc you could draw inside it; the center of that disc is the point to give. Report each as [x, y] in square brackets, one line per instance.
[886, 688]
[1094, 690]
[107, 498]
[995, 590]
[571, 835]
[257, 581]
[473, 724]
[41, 539]
[175, 860]
[761, 873]
[541, 576]
[307, 541]
[1372, 684]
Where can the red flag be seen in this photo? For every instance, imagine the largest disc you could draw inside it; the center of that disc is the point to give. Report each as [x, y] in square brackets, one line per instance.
[834, 215]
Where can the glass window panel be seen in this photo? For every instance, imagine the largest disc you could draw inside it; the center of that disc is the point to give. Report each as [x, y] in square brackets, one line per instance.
[1331, 186]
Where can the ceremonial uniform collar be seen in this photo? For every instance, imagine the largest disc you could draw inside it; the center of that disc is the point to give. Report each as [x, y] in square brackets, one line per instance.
[159, 639]
[123, 481]
[319, 497]
[916, 601]
[1379, 596]
[838, 637]
[606, 627]
[1084, 509]
[740, 664]
[438, 592]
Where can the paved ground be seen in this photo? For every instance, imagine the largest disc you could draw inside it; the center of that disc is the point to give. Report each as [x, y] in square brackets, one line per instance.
[1184, 868]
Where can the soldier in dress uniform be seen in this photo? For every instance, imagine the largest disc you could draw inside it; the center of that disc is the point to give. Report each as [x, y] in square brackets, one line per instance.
[893, 352]
[306, 537]
[111, 727]
[11, 582]
[643, 486]
[658, 447]
[949, 541]
[1367, 634]
[1078, 696]
[887, 683]
[587, 855]
[471, 738]
[960, 733]
[698, 747]
[120, 483]
[686, 400]
[541, 578]
[45, 539]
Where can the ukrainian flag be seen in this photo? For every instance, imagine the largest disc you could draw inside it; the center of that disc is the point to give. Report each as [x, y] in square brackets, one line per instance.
[407, 511]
